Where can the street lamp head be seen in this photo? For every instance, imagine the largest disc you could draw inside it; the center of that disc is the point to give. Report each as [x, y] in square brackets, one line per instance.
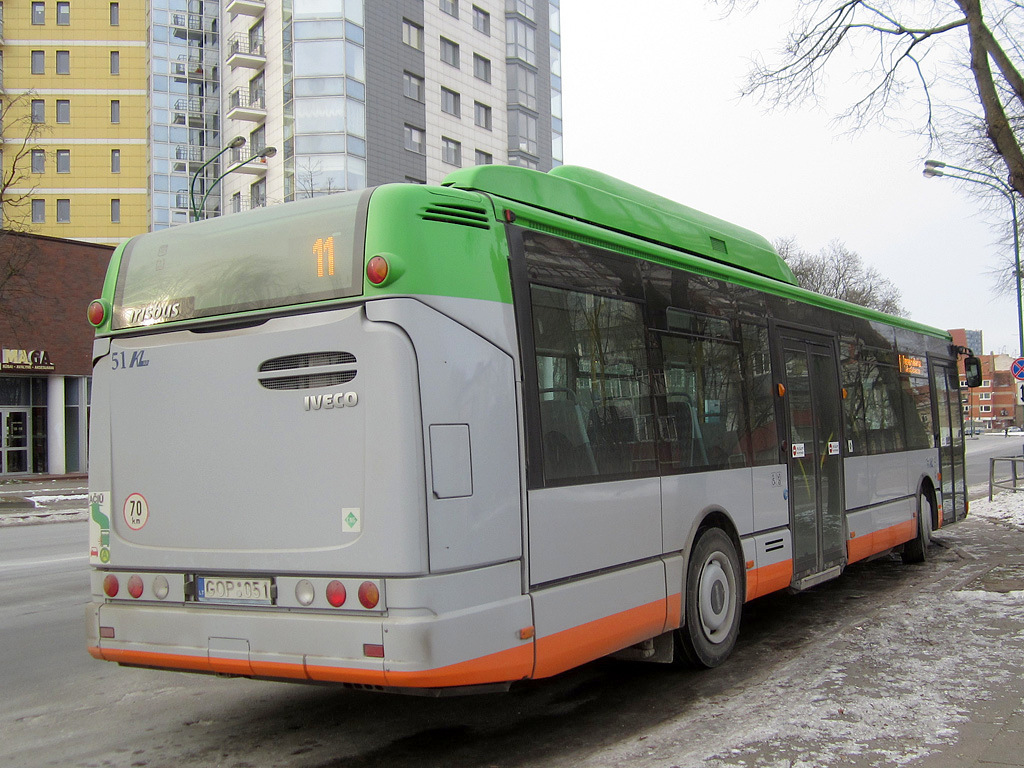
[267, 152]
[930, 172]
[934, 164]
[235, 143]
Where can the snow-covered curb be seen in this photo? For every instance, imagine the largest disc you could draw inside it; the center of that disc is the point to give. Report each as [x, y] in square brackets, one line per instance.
[1006, 507]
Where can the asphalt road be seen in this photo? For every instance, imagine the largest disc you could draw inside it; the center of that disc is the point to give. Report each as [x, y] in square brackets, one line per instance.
[886, 664]
[979, 450]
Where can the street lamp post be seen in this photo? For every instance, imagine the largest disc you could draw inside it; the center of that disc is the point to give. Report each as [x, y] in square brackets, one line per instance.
[934, 168]
[235, 143]
[263, 153]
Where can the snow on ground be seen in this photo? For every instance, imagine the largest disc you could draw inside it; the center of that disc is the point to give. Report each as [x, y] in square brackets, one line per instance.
[1006, 507]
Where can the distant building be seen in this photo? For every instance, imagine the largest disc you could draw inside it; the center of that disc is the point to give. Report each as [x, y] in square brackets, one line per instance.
[46, 351]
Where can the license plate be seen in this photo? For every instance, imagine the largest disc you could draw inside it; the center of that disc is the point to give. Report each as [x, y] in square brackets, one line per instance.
[220, 589]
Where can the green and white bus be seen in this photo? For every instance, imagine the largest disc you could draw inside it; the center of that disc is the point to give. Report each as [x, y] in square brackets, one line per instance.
[449, 438]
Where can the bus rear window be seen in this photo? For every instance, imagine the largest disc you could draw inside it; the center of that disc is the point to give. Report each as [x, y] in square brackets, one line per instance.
[300, 252]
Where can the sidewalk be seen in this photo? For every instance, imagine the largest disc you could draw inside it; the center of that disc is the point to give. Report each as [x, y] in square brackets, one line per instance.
[44, 499]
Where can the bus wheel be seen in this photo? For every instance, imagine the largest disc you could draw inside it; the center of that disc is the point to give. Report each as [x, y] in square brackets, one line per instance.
[916, 550]
[713, 600]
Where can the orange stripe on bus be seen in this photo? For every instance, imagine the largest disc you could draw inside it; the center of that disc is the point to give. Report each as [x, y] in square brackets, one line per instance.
[512, 664]
[769, 578]
[879, 541]
[594, 639]
[673, 612]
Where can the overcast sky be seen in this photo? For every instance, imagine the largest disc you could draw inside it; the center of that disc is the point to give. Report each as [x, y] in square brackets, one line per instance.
[650, 93]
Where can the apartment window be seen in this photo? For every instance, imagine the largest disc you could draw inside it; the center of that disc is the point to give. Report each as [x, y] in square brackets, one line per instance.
[482, 115]
[481, 21]
[450, 102]
[451, 7]
[415, 140]
[257, 92]
[449, 52]
[38, 17]
[38, 161]
[63, 161]
[484, 158]
[984, 395]
[63, 210]
[451, 151]
[63, 14]
[115, 14]
[986, 409]
[63, 62]
[236, 202]
[522, 86]
[63, 111]
[115, 161]
[38, 62]
[38, 211]
[39, 111]
[115, 62]
[522, 7]
[115, 110]
[520, 41]
[115, 210]
[481, 68]
[522, 133]
[258, 194]
[412, 34]
[412, 86]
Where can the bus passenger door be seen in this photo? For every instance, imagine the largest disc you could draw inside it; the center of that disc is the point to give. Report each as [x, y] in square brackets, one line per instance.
[948, 421]
[814, 446]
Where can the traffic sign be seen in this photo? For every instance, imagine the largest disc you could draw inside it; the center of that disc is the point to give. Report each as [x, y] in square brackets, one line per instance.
[1018, 369]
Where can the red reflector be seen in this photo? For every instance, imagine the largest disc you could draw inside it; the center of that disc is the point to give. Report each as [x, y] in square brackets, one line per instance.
[377, 270]
[369, 595]
[97, 313]
[107, 632]
[373, 651]
[336, 594]
[110, 585]
[135, 586]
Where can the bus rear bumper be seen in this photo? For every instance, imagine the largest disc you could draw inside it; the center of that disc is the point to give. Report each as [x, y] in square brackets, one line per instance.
[486, 644]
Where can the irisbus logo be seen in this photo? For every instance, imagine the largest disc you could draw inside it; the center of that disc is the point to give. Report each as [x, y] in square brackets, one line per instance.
[330, 402]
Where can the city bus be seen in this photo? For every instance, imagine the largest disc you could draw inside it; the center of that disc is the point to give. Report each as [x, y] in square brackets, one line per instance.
[441, 439]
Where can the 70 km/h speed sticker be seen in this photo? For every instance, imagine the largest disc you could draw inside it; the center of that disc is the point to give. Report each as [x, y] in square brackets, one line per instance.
[136, 511]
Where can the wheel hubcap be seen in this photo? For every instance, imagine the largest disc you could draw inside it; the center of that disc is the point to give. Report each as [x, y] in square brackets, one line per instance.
[716, 599]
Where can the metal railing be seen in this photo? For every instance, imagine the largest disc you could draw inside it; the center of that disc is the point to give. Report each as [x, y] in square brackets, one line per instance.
[1013, 483]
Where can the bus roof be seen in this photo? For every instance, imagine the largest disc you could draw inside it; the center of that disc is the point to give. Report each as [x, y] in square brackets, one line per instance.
[597, 198]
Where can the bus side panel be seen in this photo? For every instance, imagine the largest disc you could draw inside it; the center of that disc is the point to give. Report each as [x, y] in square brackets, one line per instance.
[590, 618]
[686, 497]
[582, 528]
[470, 429]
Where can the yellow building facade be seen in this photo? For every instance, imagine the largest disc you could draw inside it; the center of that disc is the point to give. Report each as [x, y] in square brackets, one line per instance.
[74, 119]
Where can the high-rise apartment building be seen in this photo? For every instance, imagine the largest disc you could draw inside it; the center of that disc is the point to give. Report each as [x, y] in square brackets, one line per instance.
[125, 116]
[360, 93]
[73, 118]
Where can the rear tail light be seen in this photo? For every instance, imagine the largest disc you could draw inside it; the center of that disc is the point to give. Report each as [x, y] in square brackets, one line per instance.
[160, 587]
[377, 270]
[111, 585]
[304, 592]
[135, 586]
[97, 312]
[336, 594]
[369, 595]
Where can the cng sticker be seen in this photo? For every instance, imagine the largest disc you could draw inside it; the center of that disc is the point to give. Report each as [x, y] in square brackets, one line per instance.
[136, 511]
[351, 521]
[99, 527]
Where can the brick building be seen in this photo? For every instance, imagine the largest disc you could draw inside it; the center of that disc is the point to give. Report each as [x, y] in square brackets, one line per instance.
[996, 404]
[46, 284]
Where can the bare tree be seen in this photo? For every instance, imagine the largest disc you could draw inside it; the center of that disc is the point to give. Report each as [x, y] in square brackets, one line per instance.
[907, 48]
[840, 273]
[310, 180]
[19, 136]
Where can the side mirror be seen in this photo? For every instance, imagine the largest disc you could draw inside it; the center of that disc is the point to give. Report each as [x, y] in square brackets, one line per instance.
[972, 368]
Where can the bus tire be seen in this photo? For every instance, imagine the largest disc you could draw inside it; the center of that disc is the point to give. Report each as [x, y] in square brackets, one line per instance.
[916, 550]
[713, 601]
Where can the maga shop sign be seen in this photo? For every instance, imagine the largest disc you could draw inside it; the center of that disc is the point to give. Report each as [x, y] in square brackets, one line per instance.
[25, 360]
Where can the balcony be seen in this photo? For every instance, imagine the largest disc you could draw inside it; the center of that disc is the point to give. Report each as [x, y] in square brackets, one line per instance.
[192, 25]
[246, 7]
[257, 167]
[194, 111]
[192, 66]
[243, 105]
[243, 52]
